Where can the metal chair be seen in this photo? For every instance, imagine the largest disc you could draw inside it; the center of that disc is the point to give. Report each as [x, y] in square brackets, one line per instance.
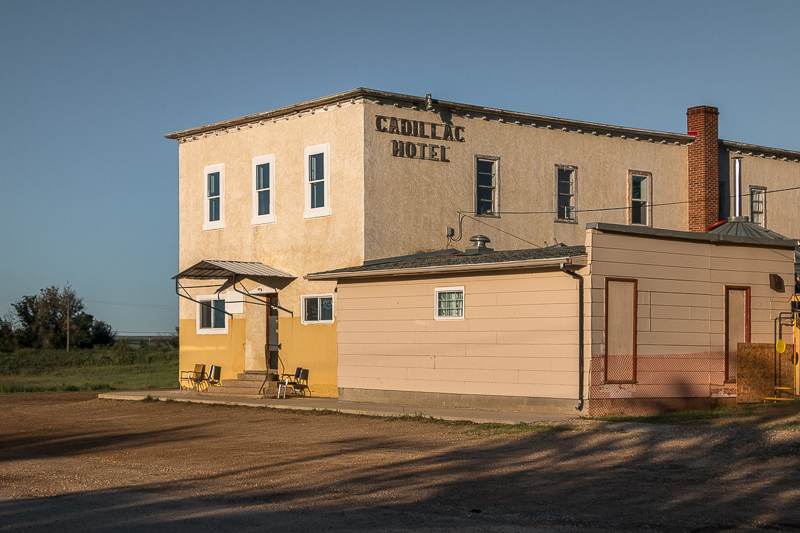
[192, 379]
[301, 384]
[287, 379]
[213, 375]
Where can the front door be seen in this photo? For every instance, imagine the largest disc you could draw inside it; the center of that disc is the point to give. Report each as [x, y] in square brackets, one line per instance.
[271, 347]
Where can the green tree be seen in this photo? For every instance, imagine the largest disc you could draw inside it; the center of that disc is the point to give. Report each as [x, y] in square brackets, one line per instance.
[7, 340]
[43, 320]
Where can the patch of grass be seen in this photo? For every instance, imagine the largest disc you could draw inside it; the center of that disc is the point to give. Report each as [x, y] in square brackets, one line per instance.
[87, 370]
[148, 399]
[699, 415]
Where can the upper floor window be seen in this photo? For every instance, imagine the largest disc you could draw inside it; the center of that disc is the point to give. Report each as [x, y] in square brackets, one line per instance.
[640, 198]
[214, 197]
[263, 189]
[317, 181]
[566, 188]
[758, 206]
[486, 179]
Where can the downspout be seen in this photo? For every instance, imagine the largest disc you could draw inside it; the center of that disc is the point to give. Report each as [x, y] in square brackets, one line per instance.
[563, 268]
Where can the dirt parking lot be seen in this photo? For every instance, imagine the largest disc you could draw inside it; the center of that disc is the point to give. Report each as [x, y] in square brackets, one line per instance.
[72, 462]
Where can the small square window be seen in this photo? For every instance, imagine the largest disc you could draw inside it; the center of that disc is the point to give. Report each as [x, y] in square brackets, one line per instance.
[318, 309]
[211, 315]
[214, 197]
[263, 190]
[449, 304]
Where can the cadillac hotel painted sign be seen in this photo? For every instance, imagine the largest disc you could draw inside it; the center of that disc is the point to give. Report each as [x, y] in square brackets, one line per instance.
[421, 130]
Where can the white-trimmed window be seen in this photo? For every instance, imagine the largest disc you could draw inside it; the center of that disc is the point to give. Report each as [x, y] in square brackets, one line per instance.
[758, 206]
[214, 197]
[211, 316]
[448, 303]
[566, 192]
[640, 198]
[263, 190]
[317, 309]
[318, 181]
[486, 185]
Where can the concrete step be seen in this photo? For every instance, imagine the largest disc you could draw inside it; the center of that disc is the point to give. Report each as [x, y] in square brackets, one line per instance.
[242, 383]
[243, 388]
[251, 376]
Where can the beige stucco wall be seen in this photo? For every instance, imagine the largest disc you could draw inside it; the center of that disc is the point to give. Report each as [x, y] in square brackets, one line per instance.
[409, 202]
[292, 244]
[783, 215]
[681, 290]
[518, 336]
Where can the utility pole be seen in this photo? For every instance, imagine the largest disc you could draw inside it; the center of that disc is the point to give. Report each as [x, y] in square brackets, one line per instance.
[68, 325]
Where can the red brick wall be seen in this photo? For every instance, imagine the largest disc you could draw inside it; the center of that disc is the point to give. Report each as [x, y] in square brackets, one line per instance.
[703, 168]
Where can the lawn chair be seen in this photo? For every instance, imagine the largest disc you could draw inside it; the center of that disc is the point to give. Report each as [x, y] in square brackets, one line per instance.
[192, 379]
[287, 379]
[300, 385]
[213, 375]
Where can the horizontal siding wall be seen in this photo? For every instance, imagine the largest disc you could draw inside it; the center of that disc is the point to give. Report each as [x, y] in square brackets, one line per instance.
[518, 336]
[681, 320]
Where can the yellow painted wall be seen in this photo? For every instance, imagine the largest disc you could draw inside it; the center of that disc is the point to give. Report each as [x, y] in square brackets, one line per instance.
[225, 351]
[313, 347]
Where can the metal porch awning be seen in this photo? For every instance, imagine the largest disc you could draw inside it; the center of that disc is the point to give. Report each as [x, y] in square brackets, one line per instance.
[233, 272]
[208, 269]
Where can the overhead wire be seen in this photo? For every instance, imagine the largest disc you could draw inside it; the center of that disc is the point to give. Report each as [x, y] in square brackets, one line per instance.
[463, 214]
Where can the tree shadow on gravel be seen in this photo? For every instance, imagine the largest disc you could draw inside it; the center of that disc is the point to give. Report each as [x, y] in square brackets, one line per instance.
[615, 477]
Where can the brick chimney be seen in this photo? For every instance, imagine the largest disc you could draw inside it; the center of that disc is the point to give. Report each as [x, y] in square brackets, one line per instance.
[703, 167]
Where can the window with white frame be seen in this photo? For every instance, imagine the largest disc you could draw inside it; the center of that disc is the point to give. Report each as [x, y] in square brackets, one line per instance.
[263, 190]
[486, 179]
[566, 189]
[318, 309]
[211, 316]
[214, 197]
[449, 303]
[318, 183]
[640, 194]
[758, 206]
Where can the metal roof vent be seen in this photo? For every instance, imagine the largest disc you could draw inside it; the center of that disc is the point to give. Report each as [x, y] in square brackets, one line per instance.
[480, 245]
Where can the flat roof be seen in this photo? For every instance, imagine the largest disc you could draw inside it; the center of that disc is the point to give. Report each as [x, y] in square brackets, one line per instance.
[456, 262]
[455, 108]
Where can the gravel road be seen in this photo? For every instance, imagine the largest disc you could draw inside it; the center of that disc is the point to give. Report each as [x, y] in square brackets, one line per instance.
[72, 462]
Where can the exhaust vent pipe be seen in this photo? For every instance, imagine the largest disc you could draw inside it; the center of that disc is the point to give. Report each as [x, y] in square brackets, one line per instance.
[480, 242]
[737, 176]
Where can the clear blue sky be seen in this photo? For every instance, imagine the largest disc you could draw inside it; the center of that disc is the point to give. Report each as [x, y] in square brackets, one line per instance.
[89, 185]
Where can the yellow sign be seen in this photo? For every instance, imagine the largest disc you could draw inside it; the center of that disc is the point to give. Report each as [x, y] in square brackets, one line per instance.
[780, 346]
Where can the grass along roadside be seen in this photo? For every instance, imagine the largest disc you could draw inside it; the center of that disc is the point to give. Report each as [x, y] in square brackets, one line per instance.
[707, 415]
[87, 370]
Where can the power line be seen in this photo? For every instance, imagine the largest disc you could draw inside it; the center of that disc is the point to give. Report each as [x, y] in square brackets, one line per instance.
[627, 206]
[150, 306]
[149, 332]
[122, 304]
